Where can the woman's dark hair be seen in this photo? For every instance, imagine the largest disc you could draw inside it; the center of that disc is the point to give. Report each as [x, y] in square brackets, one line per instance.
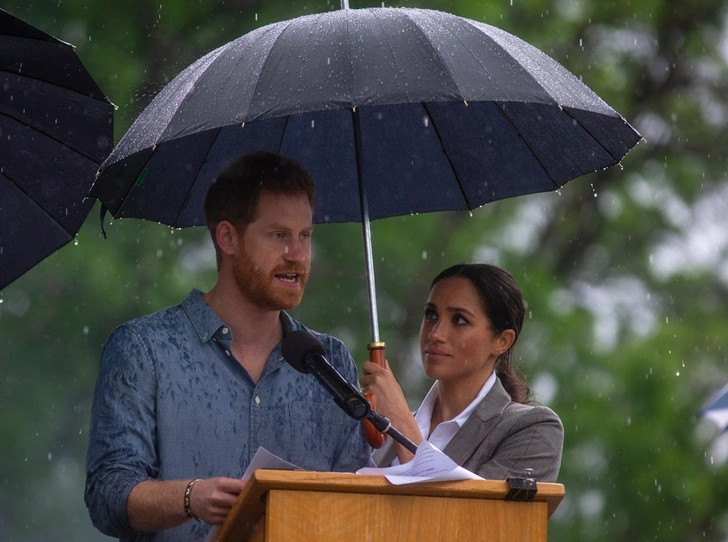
[502, 302]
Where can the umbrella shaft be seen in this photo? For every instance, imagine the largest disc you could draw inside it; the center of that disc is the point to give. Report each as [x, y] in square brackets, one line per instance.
[366, 229]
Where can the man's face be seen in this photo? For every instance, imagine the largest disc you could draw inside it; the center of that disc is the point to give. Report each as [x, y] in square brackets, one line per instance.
[274, 258]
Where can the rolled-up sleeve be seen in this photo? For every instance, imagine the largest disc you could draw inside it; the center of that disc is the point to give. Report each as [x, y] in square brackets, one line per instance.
[122, 436]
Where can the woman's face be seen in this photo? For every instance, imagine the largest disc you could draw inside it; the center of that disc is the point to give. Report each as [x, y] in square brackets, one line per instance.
[456, 340]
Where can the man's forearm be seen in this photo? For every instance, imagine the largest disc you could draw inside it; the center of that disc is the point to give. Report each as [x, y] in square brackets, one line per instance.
[154, 506]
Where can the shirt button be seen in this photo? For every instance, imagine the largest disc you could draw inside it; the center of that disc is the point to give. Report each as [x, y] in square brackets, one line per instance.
[257, 400]
[224, 331]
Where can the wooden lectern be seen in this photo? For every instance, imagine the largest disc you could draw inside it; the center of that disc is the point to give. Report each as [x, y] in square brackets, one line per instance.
[292, 506]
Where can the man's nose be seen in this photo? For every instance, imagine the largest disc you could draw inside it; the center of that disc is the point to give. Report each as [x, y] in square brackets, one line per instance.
[296, 251]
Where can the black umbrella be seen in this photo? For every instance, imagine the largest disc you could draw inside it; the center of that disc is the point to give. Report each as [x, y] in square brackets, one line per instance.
[55, 129]
[393, 111]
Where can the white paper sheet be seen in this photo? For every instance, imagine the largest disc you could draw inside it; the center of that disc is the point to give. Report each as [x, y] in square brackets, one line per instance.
[262, 459]
[429, 465]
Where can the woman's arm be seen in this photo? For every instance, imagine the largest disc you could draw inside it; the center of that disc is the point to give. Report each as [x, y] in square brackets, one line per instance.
[391, 403]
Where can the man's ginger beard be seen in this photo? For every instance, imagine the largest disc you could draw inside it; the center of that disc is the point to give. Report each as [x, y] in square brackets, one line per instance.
[260, 288]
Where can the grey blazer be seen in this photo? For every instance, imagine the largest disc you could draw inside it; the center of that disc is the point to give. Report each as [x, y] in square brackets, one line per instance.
[501, 438]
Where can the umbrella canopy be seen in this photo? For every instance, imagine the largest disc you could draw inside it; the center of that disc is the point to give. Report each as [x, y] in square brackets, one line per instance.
[716, 409]
[392, 111]
[55, 129]
[450, 114]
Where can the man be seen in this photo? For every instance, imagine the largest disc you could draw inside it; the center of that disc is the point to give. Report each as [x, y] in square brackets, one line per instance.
[185, 397]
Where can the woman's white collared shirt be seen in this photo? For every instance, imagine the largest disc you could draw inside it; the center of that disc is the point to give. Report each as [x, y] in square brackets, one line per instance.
[445, 431]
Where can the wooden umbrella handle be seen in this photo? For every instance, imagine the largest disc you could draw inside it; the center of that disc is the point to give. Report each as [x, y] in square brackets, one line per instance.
[374, 437]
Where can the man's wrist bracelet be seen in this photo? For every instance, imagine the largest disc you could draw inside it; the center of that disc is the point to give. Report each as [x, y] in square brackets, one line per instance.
[188, 511]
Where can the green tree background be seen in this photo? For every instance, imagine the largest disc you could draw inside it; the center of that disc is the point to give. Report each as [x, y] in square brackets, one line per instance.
[625, 271]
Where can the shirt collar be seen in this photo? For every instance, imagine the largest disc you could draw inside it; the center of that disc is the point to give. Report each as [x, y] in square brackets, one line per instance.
[423, 416]
[203, 318]
[206, 322]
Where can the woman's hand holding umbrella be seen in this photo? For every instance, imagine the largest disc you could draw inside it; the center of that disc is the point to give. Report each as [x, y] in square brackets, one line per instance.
[380, 381]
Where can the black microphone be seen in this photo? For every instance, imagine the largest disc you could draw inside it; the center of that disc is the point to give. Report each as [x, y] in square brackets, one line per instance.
[306, 354]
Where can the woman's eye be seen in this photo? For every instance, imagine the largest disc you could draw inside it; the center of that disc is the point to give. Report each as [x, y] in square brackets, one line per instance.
[459, 320]
[430, 315]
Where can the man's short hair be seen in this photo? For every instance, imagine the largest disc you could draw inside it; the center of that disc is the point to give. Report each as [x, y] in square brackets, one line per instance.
[234, 194]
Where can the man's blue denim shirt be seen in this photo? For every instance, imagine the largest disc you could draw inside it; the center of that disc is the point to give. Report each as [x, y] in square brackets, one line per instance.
[171, 403]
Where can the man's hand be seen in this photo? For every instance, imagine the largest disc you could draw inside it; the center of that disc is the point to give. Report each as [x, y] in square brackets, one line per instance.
[155, 506]
[212, 499]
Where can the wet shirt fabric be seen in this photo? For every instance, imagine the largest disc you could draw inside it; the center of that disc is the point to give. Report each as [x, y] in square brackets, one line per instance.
[171, 403]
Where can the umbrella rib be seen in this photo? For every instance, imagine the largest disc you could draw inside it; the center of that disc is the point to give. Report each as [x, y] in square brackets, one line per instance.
[51, 83]
[437, 54]
[189, 192]
[54, 139]
[616, 160]
[449, 162]
[525, 144]
[131, 187]
[283, 134]
[96, 88]
[263, 66]
[38, 205]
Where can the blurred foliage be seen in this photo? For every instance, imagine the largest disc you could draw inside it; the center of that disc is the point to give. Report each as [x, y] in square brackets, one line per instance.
[624, 271]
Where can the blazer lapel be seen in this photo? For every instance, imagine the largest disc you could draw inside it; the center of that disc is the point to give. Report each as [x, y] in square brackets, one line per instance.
[479, 425]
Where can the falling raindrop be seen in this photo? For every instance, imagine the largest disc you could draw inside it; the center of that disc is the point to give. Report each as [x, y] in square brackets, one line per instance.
[85, 330]
[424, 254]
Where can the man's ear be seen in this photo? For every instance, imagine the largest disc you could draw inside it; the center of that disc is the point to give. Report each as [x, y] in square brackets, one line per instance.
[226, 237]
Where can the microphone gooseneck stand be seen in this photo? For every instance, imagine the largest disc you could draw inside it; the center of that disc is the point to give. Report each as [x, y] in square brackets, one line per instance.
[383, 425]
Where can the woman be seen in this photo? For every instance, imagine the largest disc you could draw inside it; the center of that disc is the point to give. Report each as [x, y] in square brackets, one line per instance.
[476, 411]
